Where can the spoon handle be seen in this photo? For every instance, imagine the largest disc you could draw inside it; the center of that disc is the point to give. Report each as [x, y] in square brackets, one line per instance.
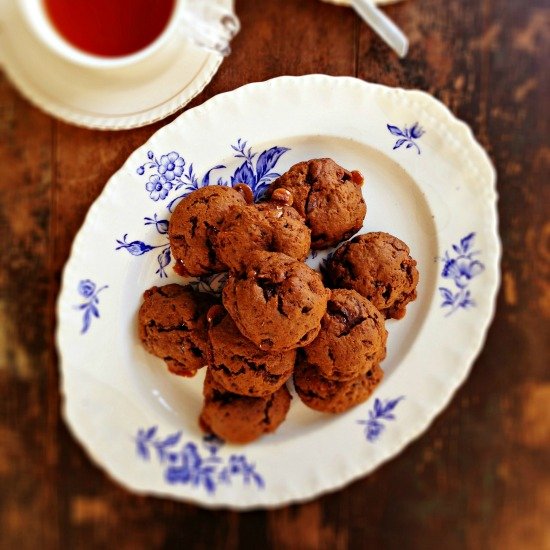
[382, 25]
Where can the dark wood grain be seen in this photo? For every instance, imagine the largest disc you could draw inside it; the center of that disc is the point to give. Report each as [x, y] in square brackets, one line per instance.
[478, 478]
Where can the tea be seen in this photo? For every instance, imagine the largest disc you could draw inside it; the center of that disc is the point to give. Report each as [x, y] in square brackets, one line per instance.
[110, 28]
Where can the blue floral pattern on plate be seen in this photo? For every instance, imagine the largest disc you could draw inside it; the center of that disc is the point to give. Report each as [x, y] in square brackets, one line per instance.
[171, 173]
[381, 411]
[461, 267]
[184, 463]
[139, 248]
[407, 136]
[89, 291]
[211, 284]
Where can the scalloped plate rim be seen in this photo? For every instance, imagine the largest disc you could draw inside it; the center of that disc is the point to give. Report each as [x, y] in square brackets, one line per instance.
[406, 438]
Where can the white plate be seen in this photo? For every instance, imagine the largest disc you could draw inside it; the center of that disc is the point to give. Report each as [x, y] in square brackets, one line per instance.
[103, 99]
[435, 190]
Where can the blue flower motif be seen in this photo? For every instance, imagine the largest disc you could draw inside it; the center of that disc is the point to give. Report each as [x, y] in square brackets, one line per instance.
[210, 284]
[163, 259]
[186, 465]
[135, 248]
[239, 465]
[171, 166]
[461, 267]
[139, 248]
[160, 225]
[88, 290]
[382, 411]
[158, 187]
[173, 173]
[407, 136]
[461, 270]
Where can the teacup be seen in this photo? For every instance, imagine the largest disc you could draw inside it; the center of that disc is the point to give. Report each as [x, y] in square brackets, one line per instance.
[210, 24]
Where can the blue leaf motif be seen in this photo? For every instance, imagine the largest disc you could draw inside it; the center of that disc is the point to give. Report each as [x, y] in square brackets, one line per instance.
[398, 143]
[258, 480]
[395, 130]
[86, 321]
[466, 242]
[172, 439]
[392, 403]
[447, 295]
[267, 160]
[143, 450]
[244, 174]
[206, 179]
[209, 485]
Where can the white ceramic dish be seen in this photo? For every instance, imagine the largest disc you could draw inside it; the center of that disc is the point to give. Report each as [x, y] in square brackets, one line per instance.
[427, 182]
[138, 93]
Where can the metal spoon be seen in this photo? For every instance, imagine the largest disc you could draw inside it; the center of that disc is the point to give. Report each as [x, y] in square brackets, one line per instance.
[382, 25]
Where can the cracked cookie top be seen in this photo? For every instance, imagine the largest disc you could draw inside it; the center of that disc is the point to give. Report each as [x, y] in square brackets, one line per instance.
[352, 338]
[240, 419]
[240, 367]
[172, 325]
[379, 267]
[277, 303]
[332, 396]
[328, 196]
[265, 226]
[193, 225]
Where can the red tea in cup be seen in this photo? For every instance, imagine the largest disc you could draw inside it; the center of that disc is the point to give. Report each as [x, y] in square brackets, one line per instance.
[110, 28]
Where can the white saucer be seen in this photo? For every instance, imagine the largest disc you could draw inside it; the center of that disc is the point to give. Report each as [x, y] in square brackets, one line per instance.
[105, 100]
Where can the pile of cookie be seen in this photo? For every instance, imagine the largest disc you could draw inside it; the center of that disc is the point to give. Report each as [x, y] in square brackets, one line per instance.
[278, 318]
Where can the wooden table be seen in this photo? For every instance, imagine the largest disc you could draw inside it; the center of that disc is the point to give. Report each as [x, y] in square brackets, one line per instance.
[479, 477]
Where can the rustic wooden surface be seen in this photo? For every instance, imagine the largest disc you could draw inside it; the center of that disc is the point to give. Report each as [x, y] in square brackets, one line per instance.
[479, 478]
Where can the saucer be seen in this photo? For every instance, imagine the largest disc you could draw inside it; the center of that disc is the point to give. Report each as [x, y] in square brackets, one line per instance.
[102, 99]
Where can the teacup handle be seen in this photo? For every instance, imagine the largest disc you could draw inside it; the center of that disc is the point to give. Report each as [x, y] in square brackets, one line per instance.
[209, 24]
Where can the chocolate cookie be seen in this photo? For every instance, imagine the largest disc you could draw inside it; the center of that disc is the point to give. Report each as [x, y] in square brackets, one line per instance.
[264, 226]
[195, 221]
[332, 396]
[240, 419]
[277, 302]
[352, 339]
[240, 367]
[328, 196]
[173, 326]
[378, 266]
